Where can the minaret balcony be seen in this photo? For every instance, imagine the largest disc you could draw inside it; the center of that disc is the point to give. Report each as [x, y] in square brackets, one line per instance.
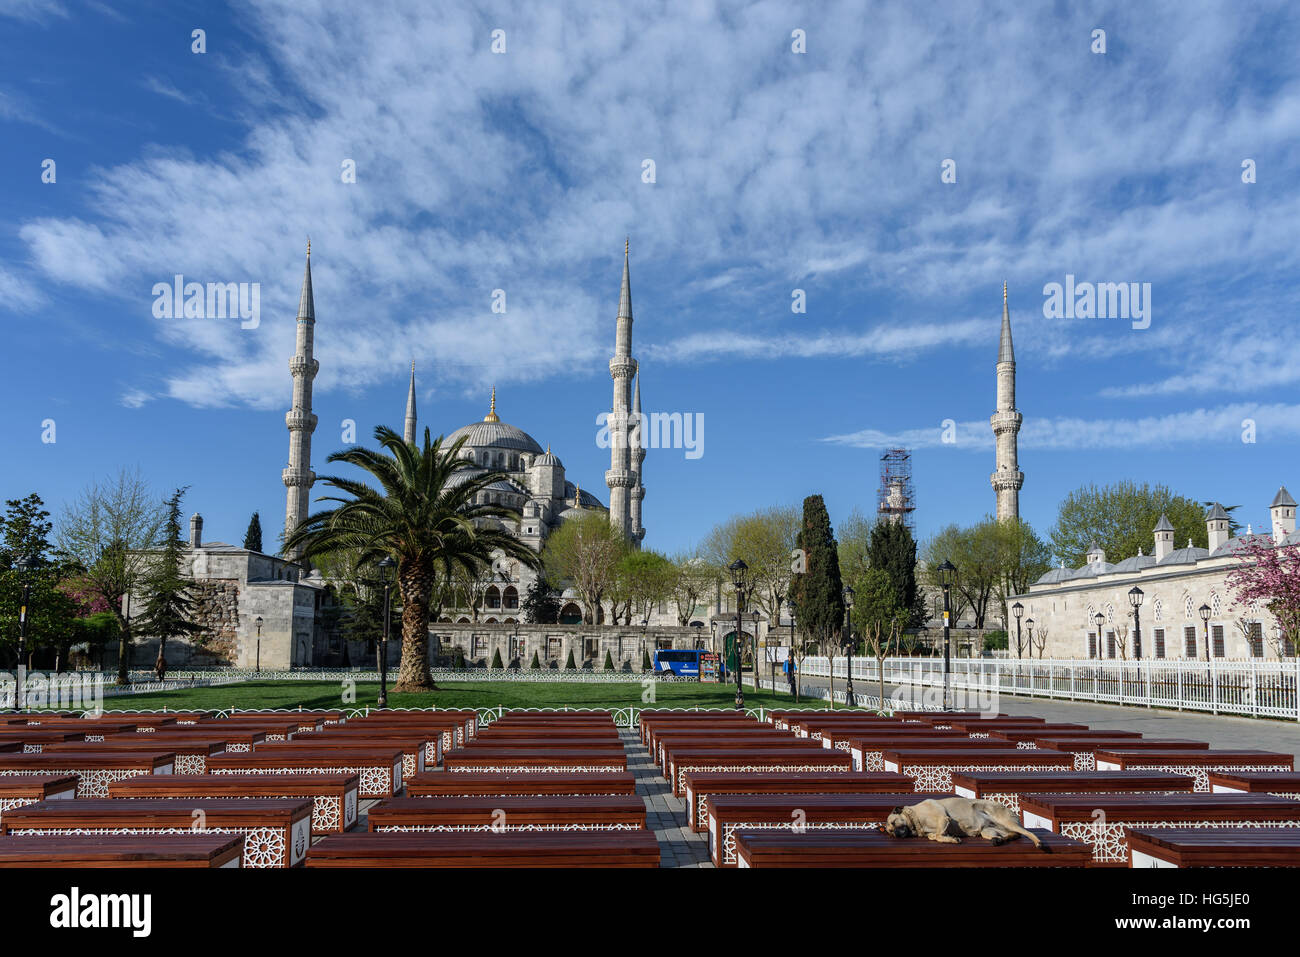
[301, 365]
[638, 492]
[622, 367]
[1007, 480]
[300, 421]
[620, 478]
[298, 478]
[1006, 421]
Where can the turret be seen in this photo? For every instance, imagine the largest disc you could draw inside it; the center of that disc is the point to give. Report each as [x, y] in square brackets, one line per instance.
[1164, 536]
[1282, 512]
[1216, 527]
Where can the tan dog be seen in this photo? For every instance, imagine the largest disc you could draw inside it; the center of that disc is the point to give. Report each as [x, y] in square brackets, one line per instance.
[948, 820]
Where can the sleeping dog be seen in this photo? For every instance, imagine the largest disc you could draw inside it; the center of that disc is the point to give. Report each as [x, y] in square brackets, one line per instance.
[948, 820]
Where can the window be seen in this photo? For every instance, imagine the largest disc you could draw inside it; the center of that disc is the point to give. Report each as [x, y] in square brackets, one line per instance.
[1110, 644]
[1216, 607]
[1216, 631]
[1189, 641]
[1255, 631]
[591, 648]
[480, 646]
[492, 599]
[1187, 607]
[1159, 636]
[663, 643]
[1092, 645]
[553, 647]
[1158, 610]
[510, 599]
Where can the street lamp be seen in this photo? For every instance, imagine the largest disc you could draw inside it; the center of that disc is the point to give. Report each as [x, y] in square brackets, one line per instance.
[1205, 619]
[1029, 627]
[849, 700]
[1016, 611]
[645, 623]
[791, 661]
[386, 564]
[258, 622]
[738, 569]
[947, 576]
[1100, 619]
[1135, 599]
[24, 565]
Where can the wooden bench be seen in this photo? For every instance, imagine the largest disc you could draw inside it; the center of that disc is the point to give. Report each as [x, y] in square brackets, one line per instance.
[656, 733]
[147, 723]
[1100, 820]
[461, 725]
[445, 784]
[727, 813]
[933, 769]
[983, 727]
[450, 731]
[705, 719]
[1278, 783]
[275, 729]
[1005, 787]
[786, 718]
[1085, 749]
[593, 849]
[19, 790]
[818, 728]
[95, 730]
[123, 850]
[1199, 763]
[580, 812]
[1213, 847]
[1024, 737]
[335, 797]
[721, 742]
[840, 737]
[534, 759]
[758, 760]
[701, 784]
[872, 849]
[192, 754]
[93, 769]
[245, 740]
[276, 832]
[421, 750]
[325, 717]
[868, 751]
[379, 768]
[944, 719]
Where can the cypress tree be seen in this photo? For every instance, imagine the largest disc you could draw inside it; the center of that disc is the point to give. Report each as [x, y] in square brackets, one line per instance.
[893, 549]
[609, 661]
[818, 592]
[537, 663]
[168, 609]
[569, 665]
[496, 659]
[253, 537]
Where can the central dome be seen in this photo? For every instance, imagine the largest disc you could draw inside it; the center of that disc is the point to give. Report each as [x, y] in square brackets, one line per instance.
[492, 433]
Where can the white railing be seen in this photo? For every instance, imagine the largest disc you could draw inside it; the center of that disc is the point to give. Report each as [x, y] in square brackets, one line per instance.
[145, 680]
[1251, 686]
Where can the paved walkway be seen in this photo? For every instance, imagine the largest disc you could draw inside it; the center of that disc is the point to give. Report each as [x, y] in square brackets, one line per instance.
[679, 846]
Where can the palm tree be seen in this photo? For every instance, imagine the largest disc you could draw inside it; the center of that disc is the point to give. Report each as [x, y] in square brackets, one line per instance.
[425, 518]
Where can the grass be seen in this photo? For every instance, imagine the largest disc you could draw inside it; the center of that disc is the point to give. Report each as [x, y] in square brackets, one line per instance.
[468, 694]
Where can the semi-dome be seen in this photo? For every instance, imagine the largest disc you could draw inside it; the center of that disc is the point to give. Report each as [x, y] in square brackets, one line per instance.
[1136, 563]
[1055, 575]
[1233, 545]
[1185, 556]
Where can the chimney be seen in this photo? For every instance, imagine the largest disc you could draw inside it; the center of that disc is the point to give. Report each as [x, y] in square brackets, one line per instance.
[1216, 527]
[1282, 511]
[196, 530]
[1164, 534]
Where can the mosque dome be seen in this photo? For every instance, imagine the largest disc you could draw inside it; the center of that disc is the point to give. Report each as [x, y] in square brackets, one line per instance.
[492, 433]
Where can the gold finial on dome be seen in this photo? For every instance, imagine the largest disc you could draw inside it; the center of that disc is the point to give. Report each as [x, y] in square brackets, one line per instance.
[492, 412]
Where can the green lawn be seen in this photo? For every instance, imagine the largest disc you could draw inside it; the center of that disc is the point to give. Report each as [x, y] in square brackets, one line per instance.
[468, 694]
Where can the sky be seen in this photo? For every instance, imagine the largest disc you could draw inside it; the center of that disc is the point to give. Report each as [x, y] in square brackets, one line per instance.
[889, 165]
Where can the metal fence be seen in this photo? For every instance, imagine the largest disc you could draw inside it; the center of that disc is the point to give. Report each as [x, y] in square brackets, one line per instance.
[1253, 687]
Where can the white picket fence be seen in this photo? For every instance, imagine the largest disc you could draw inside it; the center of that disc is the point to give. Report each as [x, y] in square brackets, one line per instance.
[1252, 687]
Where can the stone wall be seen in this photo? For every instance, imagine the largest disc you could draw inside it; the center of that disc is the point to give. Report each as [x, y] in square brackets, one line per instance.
[216, 610]
[552, 644]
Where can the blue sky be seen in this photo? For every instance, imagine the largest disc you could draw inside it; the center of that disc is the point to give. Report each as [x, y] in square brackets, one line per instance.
[774, 171]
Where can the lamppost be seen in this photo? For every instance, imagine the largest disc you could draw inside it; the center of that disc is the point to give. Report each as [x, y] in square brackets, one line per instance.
[386, 564]
[947, 576]
[1135, 599]
[1029, 627]
[645, 623]
[738, 569]
[791, 607]
[258, 622]
[1016, 611]
[1099, 619]
[24, 565]
[1205, 619]
[850, 701]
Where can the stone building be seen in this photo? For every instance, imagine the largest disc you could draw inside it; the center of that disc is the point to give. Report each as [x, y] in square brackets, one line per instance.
[1175, 584]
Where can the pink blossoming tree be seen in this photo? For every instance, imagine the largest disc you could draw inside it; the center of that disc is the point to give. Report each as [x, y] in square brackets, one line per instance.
[1270, 576]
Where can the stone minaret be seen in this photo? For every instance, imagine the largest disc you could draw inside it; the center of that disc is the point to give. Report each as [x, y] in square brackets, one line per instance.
[298, 477]
[639, 437]
[620, 478]
[1007, 477]
[408, 433]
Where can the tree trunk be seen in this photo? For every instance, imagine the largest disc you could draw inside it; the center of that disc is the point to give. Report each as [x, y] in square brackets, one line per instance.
[160, 664]
[413, 674]
[123, 648]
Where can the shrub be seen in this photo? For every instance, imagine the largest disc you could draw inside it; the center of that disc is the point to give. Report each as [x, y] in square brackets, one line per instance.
[496, 659]
[645, 660]
[995, 640]
[609, 661]
[458, 659]
[569, 665]
[537, 664]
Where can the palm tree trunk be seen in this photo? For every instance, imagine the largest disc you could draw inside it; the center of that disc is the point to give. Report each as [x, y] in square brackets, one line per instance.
[413, 674]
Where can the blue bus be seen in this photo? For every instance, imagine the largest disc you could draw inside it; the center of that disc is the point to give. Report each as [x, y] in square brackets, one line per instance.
[683, 663]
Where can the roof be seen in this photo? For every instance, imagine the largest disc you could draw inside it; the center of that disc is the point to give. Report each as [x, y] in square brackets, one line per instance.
[497, 435]
[1283, 499]
[1005, 352]
[1134, 564]
[1093, 569]
[1164, 525]
[306, 304]
[1185, 556]
[1055, 575]
[1233, 545]
[1217, 513]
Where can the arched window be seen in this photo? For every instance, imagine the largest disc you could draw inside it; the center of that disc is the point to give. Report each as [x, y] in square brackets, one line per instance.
[570, 614]
[510, 597]
[1216, 607]
[492, 598]
[1158, 610]
[462, 620]
[1187, 607]
[1110, 613]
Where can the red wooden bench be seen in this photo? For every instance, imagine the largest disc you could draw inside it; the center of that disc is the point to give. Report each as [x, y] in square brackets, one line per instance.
[462, 724]
[94, 729]
[1199, 763]
[442, 783]
[275, 729]
[1100, 820]
[18, 790]
[868, 750]
[703, 719]
[192, 754]
[785, 718]
[421, 750]
[123, 850]
[818, 728]
[1278, 783]
[656, 732]
[531, 732]
[872, 849]
[93, 769]
[977, 727]
[277, 832]
[762, 760]
[1005, 787]
[150, 722]
[840, 737]
[1024, 737]
[721, 742]
[326, 716]
[334, 797]
[234, 740]
[496, 812]
[701, 784]
[1085, 749]
[1213, 847]
[450, 731]
[487, 849]
[534, 759]
[944, 719]
[379, 768]
[933, 770]
[728, 813]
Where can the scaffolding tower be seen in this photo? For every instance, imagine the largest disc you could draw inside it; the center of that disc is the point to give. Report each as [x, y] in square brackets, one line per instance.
[896, 497]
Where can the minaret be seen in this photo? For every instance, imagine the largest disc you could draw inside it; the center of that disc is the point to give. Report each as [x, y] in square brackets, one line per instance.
[298, 477]
[408, 433]
[638, 435]
[1007, 477]
[622, 367]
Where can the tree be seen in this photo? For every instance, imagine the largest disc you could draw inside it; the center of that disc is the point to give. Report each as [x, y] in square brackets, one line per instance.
[253, 537]
[541, 605]
[646, 664]
[692, 580]
[974, 551]
[1269, 575]
[764, 539]
[51, 611]
[496, 659]
[881, 612]
[647, 579]
[569, 664]
[537, 663]
[1040, 636]
[609, 661]
[1120, 518]
[818, 591]
[1022, 558]
[168, 607]
[104, 531]
[426, 515]
[892, 549]
[585, 552]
